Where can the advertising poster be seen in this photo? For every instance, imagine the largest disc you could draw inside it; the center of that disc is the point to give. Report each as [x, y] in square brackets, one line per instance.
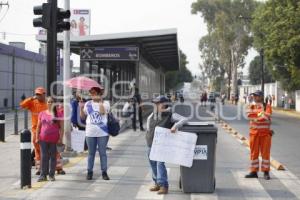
[80, 21]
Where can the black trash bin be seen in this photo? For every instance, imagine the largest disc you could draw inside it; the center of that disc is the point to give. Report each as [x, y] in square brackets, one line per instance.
[200, 178]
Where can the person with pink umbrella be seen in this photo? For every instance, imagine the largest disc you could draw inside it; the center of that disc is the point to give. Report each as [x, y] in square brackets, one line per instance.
[95, 112]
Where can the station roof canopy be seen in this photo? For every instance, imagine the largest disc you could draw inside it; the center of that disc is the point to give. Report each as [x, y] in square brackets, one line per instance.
[159, 47]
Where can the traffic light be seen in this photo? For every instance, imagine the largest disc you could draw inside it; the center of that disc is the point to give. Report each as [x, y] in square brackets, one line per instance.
[45, 20]
[61, 25]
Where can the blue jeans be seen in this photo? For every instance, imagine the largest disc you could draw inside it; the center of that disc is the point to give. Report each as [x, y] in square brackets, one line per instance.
[92, 143]
[48, 152]
[159, 172]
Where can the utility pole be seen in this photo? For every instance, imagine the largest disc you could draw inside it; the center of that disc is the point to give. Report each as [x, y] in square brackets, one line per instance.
[67, 75]
[52, 20]
[262, 71]
[52, 48]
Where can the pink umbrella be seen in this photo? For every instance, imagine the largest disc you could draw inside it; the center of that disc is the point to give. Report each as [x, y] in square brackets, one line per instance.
[82, 83]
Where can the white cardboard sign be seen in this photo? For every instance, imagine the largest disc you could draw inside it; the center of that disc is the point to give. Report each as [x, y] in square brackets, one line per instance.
[77, 140]
[176, 148]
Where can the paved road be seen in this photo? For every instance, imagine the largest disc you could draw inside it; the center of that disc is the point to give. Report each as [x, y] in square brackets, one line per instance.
[130, 175]
[285, 143]
[9, 122]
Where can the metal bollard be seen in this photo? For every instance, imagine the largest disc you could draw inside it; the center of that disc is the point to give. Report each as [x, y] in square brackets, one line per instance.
[25, 152]
[25, 119]
[16, 122]
[2, 127]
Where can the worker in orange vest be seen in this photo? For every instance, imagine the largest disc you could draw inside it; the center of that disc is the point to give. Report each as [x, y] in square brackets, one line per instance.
[35, 105]
[259, 115]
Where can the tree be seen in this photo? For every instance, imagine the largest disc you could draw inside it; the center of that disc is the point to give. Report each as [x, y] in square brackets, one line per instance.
[226, 45]
[276, 27]
[174, 78]
[255, 72]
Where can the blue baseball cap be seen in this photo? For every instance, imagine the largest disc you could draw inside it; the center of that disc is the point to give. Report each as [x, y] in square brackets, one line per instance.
[257, 93]
[160, 99]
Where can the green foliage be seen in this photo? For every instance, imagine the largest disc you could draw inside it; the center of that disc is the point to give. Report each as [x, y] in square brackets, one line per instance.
[175, 78]
[255, 72]
[224, 48]
[276, 28]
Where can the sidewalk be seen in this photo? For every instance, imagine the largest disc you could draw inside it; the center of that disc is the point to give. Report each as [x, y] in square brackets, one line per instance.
[131, 176]
[289, 112]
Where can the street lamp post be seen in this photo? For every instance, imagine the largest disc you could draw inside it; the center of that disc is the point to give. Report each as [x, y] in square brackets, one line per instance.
[262, 71]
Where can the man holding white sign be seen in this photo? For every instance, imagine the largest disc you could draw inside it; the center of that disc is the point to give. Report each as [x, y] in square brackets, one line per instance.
[161, 117]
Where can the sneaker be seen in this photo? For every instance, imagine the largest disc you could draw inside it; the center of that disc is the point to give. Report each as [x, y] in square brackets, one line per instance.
[105, 176]
[51, 178]
[38, 173]
[61, 172]
[89, 176]
[154, 188]
[42, 179]
[163, 190]
[251, 175]
[267, 176]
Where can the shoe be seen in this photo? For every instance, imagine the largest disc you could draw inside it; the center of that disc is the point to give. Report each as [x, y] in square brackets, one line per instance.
[142, 129]
[42, 179]
[154, 188]
[251, 175]
[61, 172]
[108, 148]
[89, 176]
[38, 173]
[105, 176]
[267, 176]
[51, 178]
[163, 190]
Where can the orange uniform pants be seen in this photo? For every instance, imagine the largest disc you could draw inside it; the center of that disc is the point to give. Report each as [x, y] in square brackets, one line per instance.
[260, 145]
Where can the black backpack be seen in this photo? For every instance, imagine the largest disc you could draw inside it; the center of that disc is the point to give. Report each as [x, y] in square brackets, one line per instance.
[113, 125]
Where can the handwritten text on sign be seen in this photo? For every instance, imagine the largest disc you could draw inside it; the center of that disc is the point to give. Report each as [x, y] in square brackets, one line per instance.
[77, 140]
[200, 152]
[176, 148]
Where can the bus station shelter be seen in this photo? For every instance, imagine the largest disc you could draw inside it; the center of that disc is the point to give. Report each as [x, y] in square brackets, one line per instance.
[136, 58]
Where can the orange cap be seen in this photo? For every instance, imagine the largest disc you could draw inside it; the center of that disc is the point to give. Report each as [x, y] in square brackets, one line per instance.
[40, 90]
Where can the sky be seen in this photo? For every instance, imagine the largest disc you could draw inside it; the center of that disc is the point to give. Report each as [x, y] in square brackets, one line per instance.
[115, 16]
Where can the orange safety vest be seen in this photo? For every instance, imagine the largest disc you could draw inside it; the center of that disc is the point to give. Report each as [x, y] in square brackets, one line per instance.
[260, 119]
[35, 107]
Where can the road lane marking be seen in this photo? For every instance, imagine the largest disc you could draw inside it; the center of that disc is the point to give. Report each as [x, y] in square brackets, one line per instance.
[289, 180]
[204, 196]
[251, 187]
[144, 192]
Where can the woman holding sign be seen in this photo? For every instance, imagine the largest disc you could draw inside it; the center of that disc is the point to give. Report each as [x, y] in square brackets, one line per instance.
[162, 116]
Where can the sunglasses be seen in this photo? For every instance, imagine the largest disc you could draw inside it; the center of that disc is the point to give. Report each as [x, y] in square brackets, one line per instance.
[49, 102]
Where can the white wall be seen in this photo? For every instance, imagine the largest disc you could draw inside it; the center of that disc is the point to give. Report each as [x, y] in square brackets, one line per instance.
[297, 100]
